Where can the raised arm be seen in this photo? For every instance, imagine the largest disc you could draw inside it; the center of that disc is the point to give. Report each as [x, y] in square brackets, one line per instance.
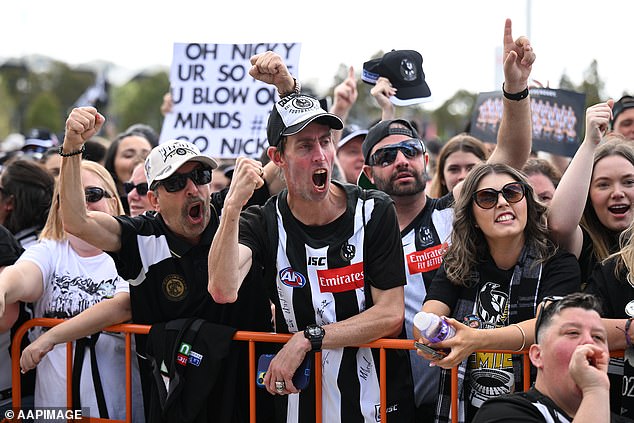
[230, 261]
[97, 228]
[570, 197]
[382, 91]
[345, 95]
[514, 136]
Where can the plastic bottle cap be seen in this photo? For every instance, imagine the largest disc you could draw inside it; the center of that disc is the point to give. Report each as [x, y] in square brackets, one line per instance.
[423, 320]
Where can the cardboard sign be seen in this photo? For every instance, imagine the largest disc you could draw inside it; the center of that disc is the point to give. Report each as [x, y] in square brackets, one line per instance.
[217, 105]
[557, 119]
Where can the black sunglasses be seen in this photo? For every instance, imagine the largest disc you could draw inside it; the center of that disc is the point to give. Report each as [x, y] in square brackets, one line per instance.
[141, 188]
[178, 181]
[487, 198]
[385, 156]
[94, 194]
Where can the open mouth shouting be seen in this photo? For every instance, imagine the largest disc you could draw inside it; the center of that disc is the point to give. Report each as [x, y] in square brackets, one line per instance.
[320, 177]
[195, 212]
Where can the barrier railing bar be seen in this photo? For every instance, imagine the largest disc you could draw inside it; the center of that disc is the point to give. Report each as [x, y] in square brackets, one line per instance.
[251, 337]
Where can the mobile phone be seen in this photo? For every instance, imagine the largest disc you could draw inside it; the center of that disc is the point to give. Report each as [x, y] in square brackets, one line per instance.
[300, 378]
[436, 354]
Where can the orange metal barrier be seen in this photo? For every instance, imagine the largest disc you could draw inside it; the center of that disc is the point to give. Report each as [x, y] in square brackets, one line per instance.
[251, 338]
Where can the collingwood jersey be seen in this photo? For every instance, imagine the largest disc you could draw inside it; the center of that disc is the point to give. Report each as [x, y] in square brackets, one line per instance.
[322, 275]
[425, 240]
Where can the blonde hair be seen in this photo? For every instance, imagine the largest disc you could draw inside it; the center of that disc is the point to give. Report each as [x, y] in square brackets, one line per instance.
[54, 229]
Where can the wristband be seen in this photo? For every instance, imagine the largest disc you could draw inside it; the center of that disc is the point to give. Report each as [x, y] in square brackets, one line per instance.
[296, 89]
[72, 153]
[516, 96]
[628, 340]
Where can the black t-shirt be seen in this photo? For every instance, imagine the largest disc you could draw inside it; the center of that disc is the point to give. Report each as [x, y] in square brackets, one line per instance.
[492, 374]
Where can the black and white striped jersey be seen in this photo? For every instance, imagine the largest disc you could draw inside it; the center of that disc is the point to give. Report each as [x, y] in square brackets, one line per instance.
[425, 240]
[322, 275]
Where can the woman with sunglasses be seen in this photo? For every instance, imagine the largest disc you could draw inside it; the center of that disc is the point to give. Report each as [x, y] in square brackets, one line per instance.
[498, 268]
[63, 276]
[136, 191]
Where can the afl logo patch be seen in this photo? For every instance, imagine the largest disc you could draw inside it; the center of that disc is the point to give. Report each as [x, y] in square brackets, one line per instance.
[174, 287]
[291, 278]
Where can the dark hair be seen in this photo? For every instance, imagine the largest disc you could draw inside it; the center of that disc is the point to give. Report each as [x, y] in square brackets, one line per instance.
[31, 187]
[468, 243]
[95, 151]
[554, 306]
[111, 153]
[542, 166]
[148, 132]
[461, 142]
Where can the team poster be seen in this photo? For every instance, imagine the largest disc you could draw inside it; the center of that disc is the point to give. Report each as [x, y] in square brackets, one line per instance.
[557, 119]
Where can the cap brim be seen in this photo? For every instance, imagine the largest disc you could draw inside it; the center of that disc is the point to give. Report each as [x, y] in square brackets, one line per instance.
[406, 96]
[352, 135]
[331, 120]
[175, 166]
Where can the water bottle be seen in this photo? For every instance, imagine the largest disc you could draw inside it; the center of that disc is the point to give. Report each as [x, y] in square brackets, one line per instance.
[432, 327]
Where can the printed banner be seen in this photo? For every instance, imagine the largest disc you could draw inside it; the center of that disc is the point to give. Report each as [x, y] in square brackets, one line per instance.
[217, 105]
[557, 119]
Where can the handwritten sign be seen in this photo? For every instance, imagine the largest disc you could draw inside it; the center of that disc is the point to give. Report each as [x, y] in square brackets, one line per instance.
[217, 105]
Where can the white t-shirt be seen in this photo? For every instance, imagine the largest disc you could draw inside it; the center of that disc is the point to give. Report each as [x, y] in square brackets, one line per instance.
[71, 284]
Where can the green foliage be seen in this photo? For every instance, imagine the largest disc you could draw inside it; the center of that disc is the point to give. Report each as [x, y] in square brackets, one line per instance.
[44, 112]
[592, 85]
[139, 101]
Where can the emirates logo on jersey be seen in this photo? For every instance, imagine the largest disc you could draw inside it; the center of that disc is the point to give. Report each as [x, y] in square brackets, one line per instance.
[291, 278]
[341, 279]
[426, 260]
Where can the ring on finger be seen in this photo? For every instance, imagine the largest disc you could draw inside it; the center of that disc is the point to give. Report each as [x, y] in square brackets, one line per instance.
[280, 385]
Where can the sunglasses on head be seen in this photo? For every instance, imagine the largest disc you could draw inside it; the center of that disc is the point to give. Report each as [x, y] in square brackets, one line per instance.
[385, 156]
[141, 188]
[547, 302]
[178, 181]
[487, 198]
[94, 194]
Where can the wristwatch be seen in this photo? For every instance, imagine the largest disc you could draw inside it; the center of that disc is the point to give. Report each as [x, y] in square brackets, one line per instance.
[315, 334]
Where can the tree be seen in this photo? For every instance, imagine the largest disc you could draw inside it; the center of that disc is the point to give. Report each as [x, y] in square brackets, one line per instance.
[454, 115]
[139, 101]
[44, 112]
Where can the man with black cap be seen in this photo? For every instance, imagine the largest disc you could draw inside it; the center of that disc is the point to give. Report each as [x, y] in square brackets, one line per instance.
[623, 117]
[332, 261]
[396, 160]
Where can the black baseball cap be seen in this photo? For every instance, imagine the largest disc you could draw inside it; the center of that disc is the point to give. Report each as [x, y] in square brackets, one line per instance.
[404, 69]
[625, 102]
[293, 113]
[382, 130]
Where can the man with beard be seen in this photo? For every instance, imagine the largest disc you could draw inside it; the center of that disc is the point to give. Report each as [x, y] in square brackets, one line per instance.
[163, 255]
[333, 264]
[396, 160]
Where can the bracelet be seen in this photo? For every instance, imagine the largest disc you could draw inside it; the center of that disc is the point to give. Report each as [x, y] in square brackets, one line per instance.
[628, 340]
[516, 96]
[297, 88]
[72, 153]
[523, 337]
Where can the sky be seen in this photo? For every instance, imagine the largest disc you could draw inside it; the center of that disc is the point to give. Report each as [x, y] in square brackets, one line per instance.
[458, 39]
